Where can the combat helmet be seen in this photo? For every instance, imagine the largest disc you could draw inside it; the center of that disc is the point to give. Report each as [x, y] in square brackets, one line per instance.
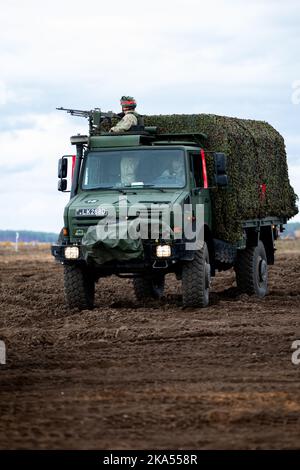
[128, 102]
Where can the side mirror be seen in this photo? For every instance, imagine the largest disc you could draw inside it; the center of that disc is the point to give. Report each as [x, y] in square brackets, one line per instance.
[220, 163]
[221, 177]
[62, 185]
[222, 180]
[62, 167]
[63, 172]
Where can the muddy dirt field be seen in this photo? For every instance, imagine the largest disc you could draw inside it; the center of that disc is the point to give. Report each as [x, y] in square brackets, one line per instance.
[132, 375]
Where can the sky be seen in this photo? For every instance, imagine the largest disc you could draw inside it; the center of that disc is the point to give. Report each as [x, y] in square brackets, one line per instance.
[230, 57]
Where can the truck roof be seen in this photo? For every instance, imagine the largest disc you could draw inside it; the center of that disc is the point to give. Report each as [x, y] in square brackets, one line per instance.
[132, 139]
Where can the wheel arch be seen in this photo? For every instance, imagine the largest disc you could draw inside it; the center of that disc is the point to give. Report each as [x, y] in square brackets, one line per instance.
[264, 234]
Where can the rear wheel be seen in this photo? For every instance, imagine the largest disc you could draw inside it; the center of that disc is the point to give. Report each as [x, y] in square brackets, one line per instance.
[196, 279]
[79, 287]
[252, 271]
[145, 288]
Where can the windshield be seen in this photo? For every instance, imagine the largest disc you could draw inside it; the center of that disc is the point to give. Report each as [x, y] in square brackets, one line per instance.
[160, 168]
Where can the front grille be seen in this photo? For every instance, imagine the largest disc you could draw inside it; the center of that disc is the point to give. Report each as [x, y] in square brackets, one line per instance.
[154, 213]
[86, 224]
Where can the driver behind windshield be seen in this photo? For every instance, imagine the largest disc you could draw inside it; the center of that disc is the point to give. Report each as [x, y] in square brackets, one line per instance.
[175, 172]
[128, 170]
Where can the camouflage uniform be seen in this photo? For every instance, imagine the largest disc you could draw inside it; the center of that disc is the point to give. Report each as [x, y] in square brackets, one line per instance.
[126, 122]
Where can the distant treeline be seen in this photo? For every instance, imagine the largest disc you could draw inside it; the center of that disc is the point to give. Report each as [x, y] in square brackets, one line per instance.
[50, 237]
[291, 228]
[27, 236]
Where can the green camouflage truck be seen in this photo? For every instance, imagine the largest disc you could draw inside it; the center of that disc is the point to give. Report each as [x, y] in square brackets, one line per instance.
[185, 194]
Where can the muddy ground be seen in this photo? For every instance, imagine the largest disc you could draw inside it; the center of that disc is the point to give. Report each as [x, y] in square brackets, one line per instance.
[132, 375]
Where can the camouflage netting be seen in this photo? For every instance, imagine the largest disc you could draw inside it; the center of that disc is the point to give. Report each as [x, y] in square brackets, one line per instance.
[256, 156]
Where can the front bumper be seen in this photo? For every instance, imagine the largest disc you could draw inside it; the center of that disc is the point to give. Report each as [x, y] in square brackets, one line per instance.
[178, 253]
[58, 251]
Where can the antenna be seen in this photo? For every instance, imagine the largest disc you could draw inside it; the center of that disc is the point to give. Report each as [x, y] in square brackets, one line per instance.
[17, 240]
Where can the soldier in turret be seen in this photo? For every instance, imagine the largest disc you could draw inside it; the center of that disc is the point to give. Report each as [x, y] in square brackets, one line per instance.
[130, 116]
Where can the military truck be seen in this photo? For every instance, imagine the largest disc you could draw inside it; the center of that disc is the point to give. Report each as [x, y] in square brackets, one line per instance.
[154, 169]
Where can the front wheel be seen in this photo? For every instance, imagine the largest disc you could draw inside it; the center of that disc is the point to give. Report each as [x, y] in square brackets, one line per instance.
[79, 287]
[196, 279]
[251, 270]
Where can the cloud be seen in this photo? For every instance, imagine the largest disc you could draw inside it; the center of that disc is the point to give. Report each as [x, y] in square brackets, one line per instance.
[85, 45]
[6, 95]
[17, 95]
[224, 56]
[294, 172]
[28, 172]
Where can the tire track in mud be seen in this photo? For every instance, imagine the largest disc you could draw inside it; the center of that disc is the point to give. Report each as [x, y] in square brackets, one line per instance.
[134, 375]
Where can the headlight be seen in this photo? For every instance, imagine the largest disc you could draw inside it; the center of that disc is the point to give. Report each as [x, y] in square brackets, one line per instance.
[163, 251]
[71, 252]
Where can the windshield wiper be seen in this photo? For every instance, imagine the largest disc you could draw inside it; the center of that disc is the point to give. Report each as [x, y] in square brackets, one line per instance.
[126, 188]
[107, 187]
[141, 186]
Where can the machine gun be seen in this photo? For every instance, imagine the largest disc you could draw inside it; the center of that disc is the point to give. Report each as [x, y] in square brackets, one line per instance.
[95, 117]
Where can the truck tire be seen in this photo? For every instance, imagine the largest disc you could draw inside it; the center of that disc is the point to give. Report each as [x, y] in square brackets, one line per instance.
[251, 270]
[196, 279]
[79, 287]
[149, 288]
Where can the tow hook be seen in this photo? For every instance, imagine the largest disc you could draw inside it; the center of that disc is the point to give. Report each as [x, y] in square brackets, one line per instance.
[160, 264]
